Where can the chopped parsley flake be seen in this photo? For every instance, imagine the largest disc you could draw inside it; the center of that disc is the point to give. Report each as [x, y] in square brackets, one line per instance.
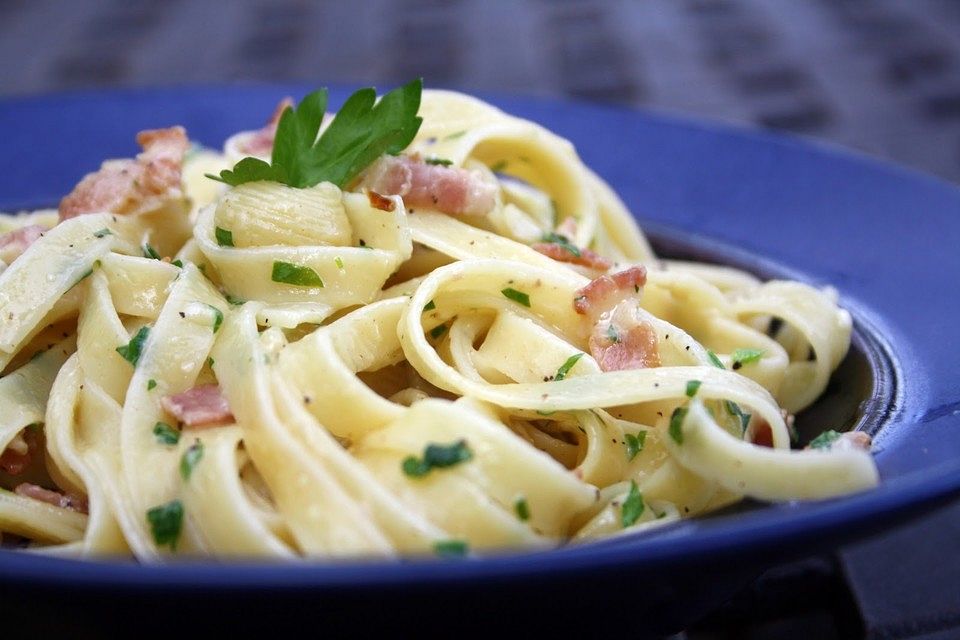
[517, 296]
[499, 166]
[177, 263]
[437, 456]
[692, 387]
[714, 360]
[165, 433]
[131, 351]
[566, 366]
[451, 548]
[613, 335]
[224, 237]
[217, 317]
[676, 424]
[233, 300]
[294, 274]
[339, 262]
[210, 361]
[635, 444]
[102, 233]
[151, 384]
[563, 242]
[442, 162]
[825, 440]
[150, 252]
[522, 508]
[734, 409]
[632, 507]
[166, 521]
[741, 357]
[454, 136]
[430, 306]
[190, 458]
[438, 331]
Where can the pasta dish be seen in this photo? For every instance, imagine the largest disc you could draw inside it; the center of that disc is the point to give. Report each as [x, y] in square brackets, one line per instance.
[415, 326]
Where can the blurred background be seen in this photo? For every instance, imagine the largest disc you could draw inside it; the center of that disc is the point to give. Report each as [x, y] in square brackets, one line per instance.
[882, 76]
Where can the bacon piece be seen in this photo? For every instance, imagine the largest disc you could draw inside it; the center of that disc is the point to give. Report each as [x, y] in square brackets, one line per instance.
[378, 201]
[13, 243]
[203, 405]
[16, 459]
[133, 186]
[762, 433]
[261, 142]
[445, 189]
[57, 499]
[587, 258]
[605, 292]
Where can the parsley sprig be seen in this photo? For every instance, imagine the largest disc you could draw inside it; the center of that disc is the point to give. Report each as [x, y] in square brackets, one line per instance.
[362, 131]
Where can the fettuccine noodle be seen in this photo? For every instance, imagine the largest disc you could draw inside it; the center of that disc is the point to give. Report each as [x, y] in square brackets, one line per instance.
[488, 356]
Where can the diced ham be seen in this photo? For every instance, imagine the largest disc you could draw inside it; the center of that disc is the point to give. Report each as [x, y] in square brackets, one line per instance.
[420, 184]
[560, 253]
[13, 243]
[203, 405]
[261, 142]
[57, 499]
[16, 458]
[133, 186]
[620, 338]
[603, 293]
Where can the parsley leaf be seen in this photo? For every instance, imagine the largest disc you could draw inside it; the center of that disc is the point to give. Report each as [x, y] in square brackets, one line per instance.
[635, 444]
[441, 162]
[294, 274]
[632, 507]
[825, 440]
[566, 366]
[438, 331]
[522, 508]
[131, 351]
[430, 306]
[734, 409]
[191, 457]
[437, 456]
[741, 357]
[217, 317]
[363, 130]
[151, 384]
[692, 387]
[102, 233]
[516, 296]
[166, 520]
[714, 360]
[150, 252]
[224, 237]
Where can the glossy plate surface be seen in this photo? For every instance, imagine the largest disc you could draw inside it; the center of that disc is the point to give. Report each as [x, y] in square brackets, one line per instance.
[886, 238]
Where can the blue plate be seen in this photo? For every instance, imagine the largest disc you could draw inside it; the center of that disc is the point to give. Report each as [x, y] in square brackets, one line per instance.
[887, 238]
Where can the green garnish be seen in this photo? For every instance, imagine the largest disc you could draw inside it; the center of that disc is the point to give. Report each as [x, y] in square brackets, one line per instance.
[635, 444]
[741, 357]
[715, 360]
[150, 252]
[676, 424]
[165, 433]
[339, 262]
[430, 306]
[441, 162]
[522, 508]
[438, 331]
[363, 130]
[190, 458]
[516, 296]
[86, 274]
[734, 409]
[177, 263]
[151, 384]
[437, 456]
[499, 166]
[235, 301]
[102, 233]
[566, 366]
[825, 440]
[562, 241]
[224, 237]
[613, 335]
[455, 135]
[451, 548]
[217, 317]
[166, 521]
[131, 351]
[288, 273]
[632, 507]
[692, 387]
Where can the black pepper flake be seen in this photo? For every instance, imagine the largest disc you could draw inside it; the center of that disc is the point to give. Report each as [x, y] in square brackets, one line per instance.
[183, 315]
